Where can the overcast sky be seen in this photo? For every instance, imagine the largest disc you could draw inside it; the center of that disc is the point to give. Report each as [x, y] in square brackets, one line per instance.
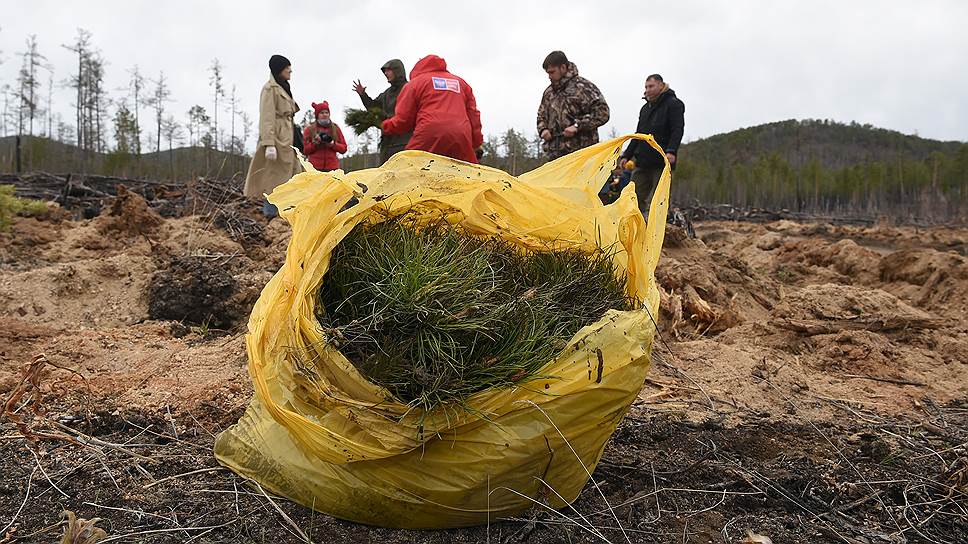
[898, 65]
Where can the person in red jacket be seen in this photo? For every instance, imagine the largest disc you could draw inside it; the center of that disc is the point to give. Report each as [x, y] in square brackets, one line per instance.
[323, 139]
[440, 109]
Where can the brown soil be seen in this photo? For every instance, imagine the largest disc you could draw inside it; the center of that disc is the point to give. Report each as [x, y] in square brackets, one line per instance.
[811, 385]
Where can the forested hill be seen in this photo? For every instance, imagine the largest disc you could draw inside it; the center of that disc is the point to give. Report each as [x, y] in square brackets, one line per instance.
[826, 167]
[44, 154]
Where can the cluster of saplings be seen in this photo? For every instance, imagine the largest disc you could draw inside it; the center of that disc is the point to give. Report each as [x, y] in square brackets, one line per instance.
[435, 314]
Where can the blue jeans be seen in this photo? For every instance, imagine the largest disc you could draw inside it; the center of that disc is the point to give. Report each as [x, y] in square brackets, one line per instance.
[269, 210]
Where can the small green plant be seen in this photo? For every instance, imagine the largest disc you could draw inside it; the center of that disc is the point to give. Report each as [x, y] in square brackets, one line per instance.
[785, 276]
[203, 329]
[10, 206]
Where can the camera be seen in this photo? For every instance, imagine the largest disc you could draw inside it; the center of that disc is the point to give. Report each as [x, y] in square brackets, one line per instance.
[325, 138]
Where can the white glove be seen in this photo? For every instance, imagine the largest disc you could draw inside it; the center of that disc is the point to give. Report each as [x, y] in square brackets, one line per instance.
[271, 153]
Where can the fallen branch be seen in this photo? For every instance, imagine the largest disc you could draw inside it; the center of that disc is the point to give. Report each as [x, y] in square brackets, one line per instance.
[812, 327]
[885, 380]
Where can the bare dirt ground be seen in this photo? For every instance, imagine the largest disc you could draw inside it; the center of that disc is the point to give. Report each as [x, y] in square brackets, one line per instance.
[811, 385]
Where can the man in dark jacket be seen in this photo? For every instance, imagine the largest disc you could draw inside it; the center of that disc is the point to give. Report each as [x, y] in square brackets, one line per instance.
[662, 116]
[571, 110]
[387, 101]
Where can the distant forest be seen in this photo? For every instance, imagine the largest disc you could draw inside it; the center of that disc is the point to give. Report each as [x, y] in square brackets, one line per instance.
[815, 167]
[825, 167]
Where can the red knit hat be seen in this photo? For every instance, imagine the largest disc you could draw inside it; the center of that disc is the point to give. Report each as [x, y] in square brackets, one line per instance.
[324, 106]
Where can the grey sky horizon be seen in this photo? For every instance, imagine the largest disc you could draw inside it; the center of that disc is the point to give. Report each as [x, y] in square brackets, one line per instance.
[735, 64]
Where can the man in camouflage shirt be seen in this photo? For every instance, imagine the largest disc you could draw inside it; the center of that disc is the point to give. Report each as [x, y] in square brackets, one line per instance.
[572, 108]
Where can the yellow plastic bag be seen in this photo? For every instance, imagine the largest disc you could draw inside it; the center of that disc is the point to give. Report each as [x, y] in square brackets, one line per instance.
[344, 446]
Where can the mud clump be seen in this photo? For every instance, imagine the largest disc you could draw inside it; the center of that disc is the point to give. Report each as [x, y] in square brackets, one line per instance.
[130, 214]
[192, 290]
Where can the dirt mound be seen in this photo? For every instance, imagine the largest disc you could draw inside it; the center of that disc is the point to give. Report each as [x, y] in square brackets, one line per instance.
[856, 351]
[130, 215]
[21, 245]
[191, 290]
[930, 278]
[844, 302]
[712, 291]
[855, 263]
[83, 292]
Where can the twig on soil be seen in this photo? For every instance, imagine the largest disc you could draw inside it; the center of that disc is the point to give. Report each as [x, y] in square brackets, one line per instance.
[575, 453]
[166, 436]
[885, 380]
[590, 528]
[136, 512]
[839, 452]
[44, 472]
[13, 520]
[110, 475]
[85, 439]
[47, 529]
[174, 530]
[199, 423]
[641, 496]
[678, 370]
[571, 506]
[283, 513]
[176, 476]
[172, 421]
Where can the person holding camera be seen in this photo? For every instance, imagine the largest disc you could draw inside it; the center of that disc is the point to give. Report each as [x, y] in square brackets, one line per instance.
[323, 140]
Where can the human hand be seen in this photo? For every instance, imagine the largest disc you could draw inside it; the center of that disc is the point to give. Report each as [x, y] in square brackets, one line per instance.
[358, 87]
[621, 163]
[546, 135]
[570, 131]
[271, 153]
[671, 157]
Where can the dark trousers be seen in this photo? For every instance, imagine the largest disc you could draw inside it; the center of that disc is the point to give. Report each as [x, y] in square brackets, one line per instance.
[646, 179]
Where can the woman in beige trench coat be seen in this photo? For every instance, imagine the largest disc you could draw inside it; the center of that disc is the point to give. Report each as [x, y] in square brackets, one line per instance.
[274, 161]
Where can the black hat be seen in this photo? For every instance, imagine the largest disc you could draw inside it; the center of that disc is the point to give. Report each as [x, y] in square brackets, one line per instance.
[278, 63]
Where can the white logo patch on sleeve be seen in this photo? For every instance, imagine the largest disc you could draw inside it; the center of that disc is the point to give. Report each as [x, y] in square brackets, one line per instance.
[446, 84]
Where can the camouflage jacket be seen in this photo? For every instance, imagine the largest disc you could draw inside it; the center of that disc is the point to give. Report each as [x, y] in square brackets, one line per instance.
[572, 100]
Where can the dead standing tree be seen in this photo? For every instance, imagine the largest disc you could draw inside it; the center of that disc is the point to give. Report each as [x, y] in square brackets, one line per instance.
[159, 98]
[173, 133]
[81, 47]
[96, 104]
[137, 85]
[215, 80]
[29, 84]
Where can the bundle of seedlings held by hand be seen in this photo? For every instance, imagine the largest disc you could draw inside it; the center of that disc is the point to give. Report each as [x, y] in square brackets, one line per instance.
[434, 314]
[362, 120]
